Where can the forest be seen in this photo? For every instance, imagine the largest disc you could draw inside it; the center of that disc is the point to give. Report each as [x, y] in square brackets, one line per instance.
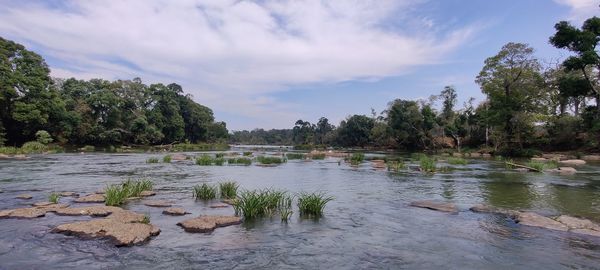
[529, 107]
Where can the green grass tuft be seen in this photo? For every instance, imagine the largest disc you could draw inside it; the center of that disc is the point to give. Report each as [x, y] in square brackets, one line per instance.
[536, 165]
[457, 161]
[357, 158]
[115, 195]
[270, 160]
[427, 164]
[258, 203]
[241, 160]
[228, 190]
[247, 154]
[167, 159]
[152, 160]
[205, 192]
[285, 207]
[312, 204]
[318, 156]
[219, 155]
[219, 161]
[395, 166]
[204, 160]
[292, 156]
[53, 197]
[146, 219]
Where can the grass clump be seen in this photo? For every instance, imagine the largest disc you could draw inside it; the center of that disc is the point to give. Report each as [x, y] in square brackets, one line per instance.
[146, 219]
[241, 161]
[457, 161]
[319, 156]
[427, 164]
[152, 160]
[292, 156]
[285, 207]
[167, 159]
[135, 187]
[247, 154]
[53, 197]
[258, 203]
[115, 195]
[395, 166]
[204, 160]
[219, 155]
[357, 158]
[205, 192]
[228, 189]
[536, 165]
[270, 160]
[219, 161]
[312, 204]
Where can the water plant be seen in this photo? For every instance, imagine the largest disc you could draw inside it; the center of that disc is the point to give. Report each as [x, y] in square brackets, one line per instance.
[258, 203]
[152, 160]
[146, 219]
[167, 159]
[457, 161]
[135, 187]
[241, 160]
[357, 158]
[219, 155]
[270, 160]
[204, 160]
[292, 156]
[285, 207]
[228, 189]
[539, 166]
[395, 165]
[219, 161]
[53, 197]
[427, 164]
[115, 195]
[247, 154]
[318, 156]
[312, 204]
[205, 192]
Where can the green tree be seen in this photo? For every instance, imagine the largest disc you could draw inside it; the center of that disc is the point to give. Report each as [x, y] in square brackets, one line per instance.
[405, 119]
[355, 131]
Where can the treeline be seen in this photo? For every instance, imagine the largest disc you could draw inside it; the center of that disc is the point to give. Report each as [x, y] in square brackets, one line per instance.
[528, 107]
[94, 112]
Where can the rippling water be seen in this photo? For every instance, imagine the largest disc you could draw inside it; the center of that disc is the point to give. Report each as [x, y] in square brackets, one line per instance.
[368, 225]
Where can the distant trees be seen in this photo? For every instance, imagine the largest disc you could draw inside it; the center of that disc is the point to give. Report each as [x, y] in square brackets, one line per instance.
[95, 112]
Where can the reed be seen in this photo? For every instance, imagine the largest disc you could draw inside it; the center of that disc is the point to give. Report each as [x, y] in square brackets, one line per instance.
[204, 160]
[53, 197]
[240, 161]
[270, 160]
[205, 192]
[152, 160]
[427, 164]
[167, 159]
[312, 204]
[292, 156]
[228, 190]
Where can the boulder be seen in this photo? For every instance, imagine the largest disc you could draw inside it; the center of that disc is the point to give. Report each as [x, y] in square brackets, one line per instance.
[438, 206]
[158, 203]
[564, 170]
[91, 198]
[121, 233]
[536, 220]
[95, 211]
[50, 207]
[24, 197]
[475, 155]
[4, 156]
[127, 216]
[147, 193]
[204, 224]
[572, 162]
[586, 232]
[175, 211]
[23, 213]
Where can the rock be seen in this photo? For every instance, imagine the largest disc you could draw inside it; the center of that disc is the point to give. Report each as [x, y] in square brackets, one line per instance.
[23, 213]
[539, 159]
[91, 198]
[51, 207]
[69, 194]
[42, 204]
[175, 211]
[521, 170]
[158, 203]
[572, 162]
[578, 223]
[482, 208]
[457, 154]
[553, 156]
[219, 205]
[438, 206]
[564, 170]
[208, 223]
[20, 157]
[147, 193]
[121, 233]
[486, 155]
[587, 232]
[24, 197]
[178, 157]
[535, 220]
[591, 157]
[4, 156]
[127, 216]
[95, 211]
[475, 155]
[228, 201]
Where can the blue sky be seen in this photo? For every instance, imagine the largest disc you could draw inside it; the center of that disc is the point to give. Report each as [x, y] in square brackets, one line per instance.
[265, 64]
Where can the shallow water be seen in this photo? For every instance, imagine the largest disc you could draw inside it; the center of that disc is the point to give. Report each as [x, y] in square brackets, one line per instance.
[368, 225]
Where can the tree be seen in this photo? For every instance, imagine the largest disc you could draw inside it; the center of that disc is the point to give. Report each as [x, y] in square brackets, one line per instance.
[43, 137]
[406, 122]
[512, 82]
[355, 131]
[322, 129]
[303, 132]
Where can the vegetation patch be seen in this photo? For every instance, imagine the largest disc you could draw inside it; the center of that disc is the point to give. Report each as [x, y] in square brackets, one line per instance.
[312, 204]
[292, 156]
[152, 160]
[318, 156]
[53, 197]
[247, 154]
[167, 159]
[457, 161]
[205, 192]
[427, 164]
[356, 158]
[240, 161]
[270, 160]
[117, 194]
[204, 160]
[258, 203]
[228, 190]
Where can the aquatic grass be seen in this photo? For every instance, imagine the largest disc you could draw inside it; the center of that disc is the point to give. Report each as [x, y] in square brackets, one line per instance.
[508, 164]
[247, 154]
[115, 195]
[135, 187]
[152, 160]
[312, 204]
[146, 219]
[395, 165]
[258, 203]
[292, 156]
[319, 156]
[285, 207]
[205, 192]
[167, 159]
[186, 147]
[204, 160]
[267, 160]
[219, 161]
[228, 189]
[219, 155]
[53, 197]
[357, 158]
[241, 160]
[427, 164]
[457, 161]
[539, 166]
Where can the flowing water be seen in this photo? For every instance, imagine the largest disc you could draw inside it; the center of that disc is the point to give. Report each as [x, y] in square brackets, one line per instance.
[368, 225]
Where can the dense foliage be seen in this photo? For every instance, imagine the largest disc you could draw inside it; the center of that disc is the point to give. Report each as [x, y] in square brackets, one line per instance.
[96, 112]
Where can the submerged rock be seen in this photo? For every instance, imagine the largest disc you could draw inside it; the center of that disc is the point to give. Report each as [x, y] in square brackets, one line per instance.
[24, 197]
[95, 211]
[23, 213]
[578, 223]
[591, 157]
[42, 204]
[178, 157]
[147, 193]
[572, 162]
[482, 208]
[68, 194]
[564, 170]
[175, 211]
[158, 203]
[536, 220]
[219, 205]
[91, 198]
[204, 224]
[438, 206]
[121, 233]
[20, 157]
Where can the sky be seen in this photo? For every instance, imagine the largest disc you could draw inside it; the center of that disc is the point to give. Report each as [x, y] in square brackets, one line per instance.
[266, 64]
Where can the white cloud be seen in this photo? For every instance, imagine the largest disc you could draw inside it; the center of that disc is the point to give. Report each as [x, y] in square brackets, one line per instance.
[581, 9]
[231, 54]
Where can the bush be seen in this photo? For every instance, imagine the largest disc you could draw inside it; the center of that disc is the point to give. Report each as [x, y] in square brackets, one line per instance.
[43, 137]
[33, 147]
[204, 160]
[205, 192]
[357, 158]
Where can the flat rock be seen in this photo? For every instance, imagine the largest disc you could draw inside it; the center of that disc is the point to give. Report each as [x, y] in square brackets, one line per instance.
[42, 204]
[68, 194]
[578, 223]
[591, 157]
[438, 206]
[121, 233]
[564, 170]
[127, 216]
[175, 211]
[572, 162]
[23, 213]
[536, 220]
[219, 205]
[95, 211]
[147, 193]
[158, 203]
[482, 208]
[20, 157]
[51, 207]
[587, 232]
[91, 198]
[178, 157]
[24, 197]
[539, 159]
[4, 156]
[204, 224]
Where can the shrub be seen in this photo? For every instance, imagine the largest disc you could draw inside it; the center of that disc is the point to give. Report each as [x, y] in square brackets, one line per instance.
[167, 159]
[33, 147]
[43, 137]
[152, 160]
[357, 158]
[312, 204]
[228, 189]
[53, 197]
[205, 192]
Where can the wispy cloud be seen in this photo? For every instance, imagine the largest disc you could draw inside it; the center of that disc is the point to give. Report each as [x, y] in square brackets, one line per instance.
[581, 9]
[227, 50]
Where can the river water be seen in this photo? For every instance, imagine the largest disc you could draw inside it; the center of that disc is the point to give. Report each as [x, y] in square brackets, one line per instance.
[368, 225]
